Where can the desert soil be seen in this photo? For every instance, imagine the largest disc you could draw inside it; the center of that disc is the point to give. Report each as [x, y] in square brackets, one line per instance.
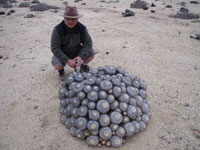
[152, 46]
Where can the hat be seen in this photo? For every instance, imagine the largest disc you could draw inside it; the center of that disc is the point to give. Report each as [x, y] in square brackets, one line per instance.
[71, 12]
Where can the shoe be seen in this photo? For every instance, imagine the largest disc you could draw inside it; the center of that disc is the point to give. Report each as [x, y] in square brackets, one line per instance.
[84, 68]
[62, 75]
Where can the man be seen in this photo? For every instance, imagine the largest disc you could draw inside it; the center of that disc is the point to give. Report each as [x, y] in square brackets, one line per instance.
[71, 43]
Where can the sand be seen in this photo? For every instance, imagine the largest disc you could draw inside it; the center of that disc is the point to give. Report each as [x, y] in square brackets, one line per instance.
[153, 46]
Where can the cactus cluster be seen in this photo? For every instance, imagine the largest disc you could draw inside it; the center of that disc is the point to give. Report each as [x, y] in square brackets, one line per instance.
[104, 106]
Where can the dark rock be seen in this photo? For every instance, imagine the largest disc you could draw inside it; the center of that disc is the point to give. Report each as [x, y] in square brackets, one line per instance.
[103, 30]
[5, 58]
[1, 56]
[146, 8]
[24, 4]
[153, 11]
[196, 21]
[42, 7]
[184, 10]
[107, 53]
[195, 131]
[77, 1]
[65, 3]
[35, 2]
[183, 13]
[54, 11]
[5, 5]
[139, 4]
[35, 107]
[83, 3]
[4, 1]
[153, 5]
[128, 13]
[183, 4]
[29, 16]
[186, 105]
[12, 1]
[194, 2]
[12, 11]
[197, 37]
[168, 6]
[2, 13]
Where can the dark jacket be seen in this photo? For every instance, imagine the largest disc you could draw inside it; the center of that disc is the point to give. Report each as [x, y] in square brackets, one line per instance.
[65, 41]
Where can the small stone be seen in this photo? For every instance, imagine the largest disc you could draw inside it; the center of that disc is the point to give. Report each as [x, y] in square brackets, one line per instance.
[183, 4]
[153, 5]
[194, 2]
[35, 2]
[153, 11]
[168, 6]
[107, 53]
[29, 16]
[186, 105]
[2, 13]
[24, 4]
[35, 107]
[128, 13]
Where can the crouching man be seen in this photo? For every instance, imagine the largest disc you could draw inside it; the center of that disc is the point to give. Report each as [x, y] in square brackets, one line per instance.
[71, 43]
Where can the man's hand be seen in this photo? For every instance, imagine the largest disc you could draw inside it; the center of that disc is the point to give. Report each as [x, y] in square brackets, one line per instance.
[71, 63]
[78, 61]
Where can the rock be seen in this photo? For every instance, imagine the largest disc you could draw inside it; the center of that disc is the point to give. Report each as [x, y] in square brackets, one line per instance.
[42, 7]
[2, 13]
[145, 8]
[29, 16]
[12, 11]
[153, 11]
[197, 37]
[65, 3]
[195, 131]
[128, 13]
[153, 5]
[183, 4]
[168, 6]
[35, 2]
[9, 12]
[196, 21]
[76, 1]
[107, 53]
[186, 105]
[83, 3]
[194, 2]
[1, 56]
[35, 107]
[139, 4]
[24, 4]
[6, 3]
[184, 13]
[197, 67]
[184, 10]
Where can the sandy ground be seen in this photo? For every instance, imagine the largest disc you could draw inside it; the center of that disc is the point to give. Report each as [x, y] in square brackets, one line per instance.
[152, 46]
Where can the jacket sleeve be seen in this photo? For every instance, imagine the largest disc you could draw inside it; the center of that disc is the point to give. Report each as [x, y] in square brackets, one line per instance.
[86, 44]
[56, 47]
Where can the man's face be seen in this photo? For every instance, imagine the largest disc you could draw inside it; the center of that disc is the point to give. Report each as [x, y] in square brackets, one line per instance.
[71, 22]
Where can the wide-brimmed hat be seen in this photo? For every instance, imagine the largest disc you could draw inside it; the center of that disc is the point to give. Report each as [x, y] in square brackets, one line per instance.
[71, 12]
